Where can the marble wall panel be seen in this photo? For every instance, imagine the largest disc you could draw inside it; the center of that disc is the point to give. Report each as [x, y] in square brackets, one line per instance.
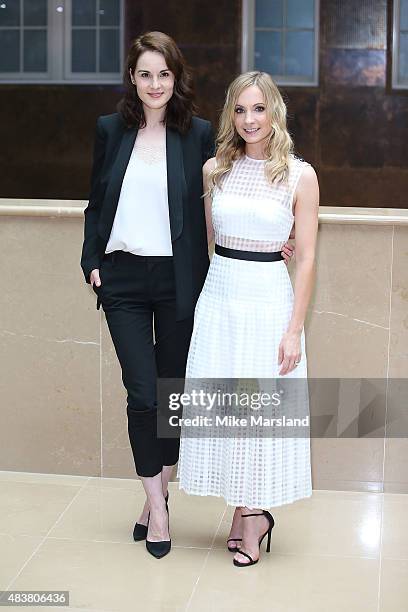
[50, 351]
[50, 408]
[348, 464]
[63, 402]
[398, 366]
[353, 270]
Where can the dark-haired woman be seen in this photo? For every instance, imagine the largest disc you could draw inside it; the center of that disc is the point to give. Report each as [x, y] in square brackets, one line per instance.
[145, 249]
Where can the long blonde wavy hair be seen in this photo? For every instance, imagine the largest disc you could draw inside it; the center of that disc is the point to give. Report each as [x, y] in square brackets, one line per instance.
[230, 145]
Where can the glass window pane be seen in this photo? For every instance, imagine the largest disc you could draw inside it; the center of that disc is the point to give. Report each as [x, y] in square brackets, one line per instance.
[299, 54]
[403, 59]
[35, 51]
[83, 12]
[9, 51]
[35, 12]
[269, 13]
[83, 56]
[268, 56]
[109, 60]
[404, 15]
[109, 12]
[10, 13]
[300, 14]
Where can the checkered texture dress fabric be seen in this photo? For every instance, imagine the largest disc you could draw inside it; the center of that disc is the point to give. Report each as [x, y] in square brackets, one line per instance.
[241, 315]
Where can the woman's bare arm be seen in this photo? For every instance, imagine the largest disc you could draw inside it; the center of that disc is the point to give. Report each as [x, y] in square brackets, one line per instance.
[306, 219]
[207, 169]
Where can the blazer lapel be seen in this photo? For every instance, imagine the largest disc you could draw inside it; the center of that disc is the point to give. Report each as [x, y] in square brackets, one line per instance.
[115, 184]
[176, 182]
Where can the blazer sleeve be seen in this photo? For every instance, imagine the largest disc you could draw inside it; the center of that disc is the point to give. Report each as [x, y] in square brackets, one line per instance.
[90, 258]
[208, 146]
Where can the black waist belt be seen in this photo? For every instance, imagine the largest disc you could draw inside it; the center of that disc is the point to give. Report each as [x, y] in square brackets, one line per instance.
[248, 255]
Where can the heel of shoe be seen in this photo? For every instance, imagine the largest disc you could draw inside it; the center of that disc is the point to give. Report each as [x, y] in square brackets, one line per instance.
[268, 544]
[271, 525]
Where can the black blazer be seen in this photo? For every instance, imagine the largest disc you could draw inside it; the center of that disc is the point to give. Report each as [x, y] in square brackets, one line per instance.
[186, 155]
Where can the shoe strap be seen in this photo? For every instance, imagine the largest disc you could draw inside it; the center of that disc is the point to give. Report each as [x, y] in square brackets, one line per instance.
[241, 552]
[256, 514]
[234, 540]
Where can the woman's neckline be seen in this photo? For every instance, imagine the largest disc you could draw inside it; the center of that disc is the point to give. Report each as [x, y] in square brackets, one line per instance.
[254, 159]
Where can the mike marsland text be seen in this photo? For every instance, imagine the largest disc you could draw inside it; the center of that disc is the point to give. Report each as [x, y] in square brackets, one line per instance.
[233, 421]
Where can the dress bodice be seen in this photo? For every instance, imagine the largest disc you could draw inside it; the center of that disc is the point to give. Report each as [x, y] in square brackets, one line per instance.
[251, 214]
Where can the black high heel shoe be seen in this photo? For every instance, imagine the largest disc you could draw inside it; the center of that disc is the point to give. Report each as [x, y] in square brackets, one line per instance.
[140, 531]
[267, 532]
[162, 548]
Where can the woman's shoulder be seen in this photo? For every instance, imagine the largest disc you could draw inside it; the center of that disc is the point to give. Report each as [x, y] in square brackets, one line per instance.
[114, 121]
[110, 128]
[303, 173]
[299, 162]
[209, 166]
[200, 125]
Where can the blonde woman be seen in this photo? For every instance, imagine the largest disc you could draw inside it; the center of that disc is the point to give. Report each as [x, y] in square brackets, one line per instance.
[248, 321]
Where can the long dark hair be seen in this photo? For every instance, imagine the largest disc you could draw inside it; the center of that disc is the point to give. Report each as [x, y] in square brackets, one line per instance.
[180, 107]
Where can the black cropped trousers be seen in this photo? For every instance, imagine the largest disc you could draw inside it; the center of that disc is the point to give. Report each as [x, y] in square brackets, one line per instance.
[138, 297]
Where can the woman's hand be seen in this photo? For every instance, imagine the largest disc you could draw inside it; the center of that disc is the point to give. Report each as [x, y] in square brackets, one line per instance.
[94, 278]
[289, 352]
[287, 252]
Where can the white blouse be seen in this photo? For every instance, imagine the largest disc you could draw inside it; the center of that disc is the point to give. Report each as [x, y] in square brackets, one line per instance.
[142, 225]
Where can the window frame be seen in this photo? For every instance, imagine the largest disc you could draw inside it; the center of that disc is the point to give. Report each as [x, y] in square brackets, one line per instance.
[59, 53]
[396, 30]
[248, 47]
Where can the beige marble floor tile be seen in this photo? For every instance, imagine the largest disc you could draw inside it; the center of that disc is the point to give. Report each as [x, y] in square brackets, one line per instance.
[132, 484]
[194, 519]
[108, 513]
[363, 486]
[394, 586]
[71, 608]
[15, 550]
[395, 527]
[119, 577]
[287, 583]
[399, 498]
[333, 524]
[32, 508]
[101, 513]
[39, 478]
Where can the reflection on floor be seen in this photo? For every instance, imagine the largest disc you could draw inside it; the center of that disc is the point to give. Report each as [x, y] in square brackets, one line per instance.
[334, 551]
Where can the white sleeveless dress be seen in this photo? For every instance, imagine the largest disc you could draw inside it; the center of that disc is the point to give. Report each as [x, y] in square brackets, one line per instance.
[241, 315]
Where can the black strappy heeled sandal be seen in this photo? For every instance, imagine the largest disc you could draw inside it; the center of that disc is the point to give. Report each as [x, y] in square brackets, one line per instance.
[140, 531]
[268, 532]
